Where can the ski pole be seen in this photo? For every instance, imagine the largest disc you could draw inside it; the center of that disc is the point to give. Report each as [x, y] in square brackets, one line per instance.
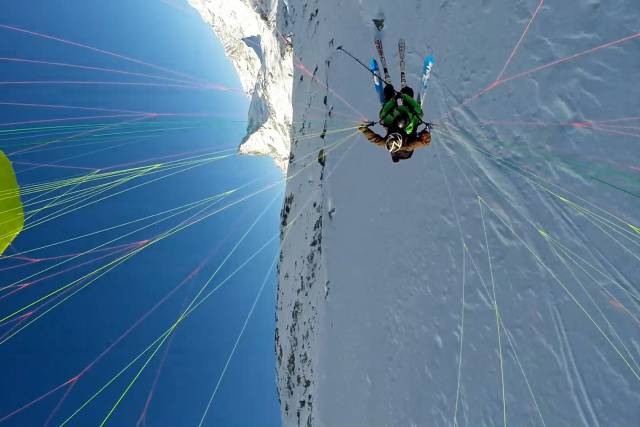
[365, 66]
[359, 62]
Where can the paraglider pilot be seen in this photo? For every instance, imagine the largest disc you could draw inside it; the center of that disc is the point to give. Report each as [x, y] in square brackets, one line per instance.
[401, 115]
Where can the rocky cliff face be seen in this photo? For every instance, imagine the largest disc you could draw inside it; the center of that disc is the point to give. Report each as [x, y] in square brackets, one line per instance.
[262, 57]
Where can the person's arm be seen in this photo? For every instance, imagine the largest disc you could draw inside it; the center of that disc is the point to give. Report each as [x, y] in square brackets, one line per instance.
[423, 139]
[372, 136]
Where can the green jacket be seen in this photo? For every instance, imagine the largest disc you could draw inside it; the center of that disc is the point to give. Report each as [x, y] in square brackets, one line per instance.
[391, 111]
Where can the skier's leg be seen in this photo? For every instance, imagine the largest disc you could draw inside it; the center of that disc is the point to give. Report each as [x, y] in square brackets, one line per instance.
[389, 93]
[407, 90]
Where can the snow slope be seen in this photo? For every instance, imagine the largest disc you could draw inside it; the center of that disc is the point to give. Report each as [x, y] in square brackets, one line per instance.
[493, 278]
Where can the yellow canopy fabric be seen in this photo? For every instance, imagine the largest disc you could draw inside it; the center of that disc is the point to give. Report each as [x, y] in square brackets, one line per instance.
[11, 212]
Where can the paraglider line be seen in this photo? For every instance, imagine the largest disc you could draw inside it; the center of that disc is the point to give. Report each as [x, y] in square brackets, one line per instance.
[517, 46]
[583, 211]
[51, 165]
[621, 119]
[604, 125]
[87, 67]
[94, 49]
[239, 337]
[571, 57]
[221, 242]
[106, 83]
[130, 329]
[616, 132]
[500, 82]
[28, 405]
[71, 119]
[71, 107]
[304, 69]
[495, 305]
[75, 267]
[77, 135]
[191, 305]
[30, 260]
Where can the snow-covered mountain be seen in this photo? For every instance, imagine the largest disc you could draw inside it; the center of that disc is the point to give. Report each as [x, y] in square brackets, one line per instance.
[493, 278]
[263, 60]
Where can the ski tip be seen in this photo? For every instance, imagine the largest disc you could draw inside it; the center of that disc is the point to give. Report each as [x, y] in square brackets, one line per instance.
[379, 23]
[339, 47]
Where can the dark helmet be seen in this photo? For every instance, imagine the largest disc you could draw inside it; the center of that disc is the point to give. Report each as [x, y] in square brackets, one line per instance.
[402, 121]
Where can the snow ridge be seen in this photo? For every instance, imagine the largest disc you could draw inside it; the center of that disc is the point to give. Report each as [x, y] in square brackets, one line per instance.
[263, 60]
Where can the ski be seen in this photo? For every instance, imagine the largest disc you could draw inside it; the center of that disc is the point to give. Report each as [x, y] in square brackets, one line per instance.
[375, 70]
[379, 24]
[427, 66]
[383, 61]
[401, 50]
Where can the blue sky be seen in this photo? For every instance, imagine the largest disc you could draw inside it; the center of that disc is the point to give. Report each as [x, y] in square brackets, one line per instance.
[60, 344]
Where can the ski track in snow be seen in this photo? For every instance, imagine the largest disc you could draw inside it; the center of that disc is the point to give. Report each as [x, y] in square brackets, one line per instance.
[369, 312]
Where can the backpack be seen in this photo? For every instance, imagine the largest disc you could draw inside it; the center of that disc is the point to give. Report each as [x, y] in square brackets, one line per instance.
[391, 112]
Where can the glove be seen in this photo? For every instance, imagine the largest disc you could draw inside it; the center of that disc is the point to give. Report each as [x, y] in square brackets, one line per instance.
[365, 125]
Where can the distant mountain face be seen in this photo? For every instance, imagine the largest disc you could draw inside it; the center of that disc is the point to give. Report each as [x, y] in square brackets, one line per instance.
[263, 61]
[492, 278]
